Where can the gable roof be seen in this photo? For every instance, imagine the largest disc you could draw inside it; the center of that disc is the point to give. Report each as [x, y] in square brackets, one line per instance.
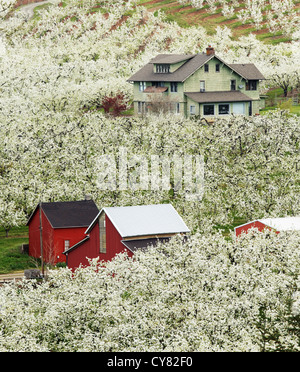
[144, 220]
[193, 62]
[210, 97]
[69, 214]
[282, 224]
[147, 73]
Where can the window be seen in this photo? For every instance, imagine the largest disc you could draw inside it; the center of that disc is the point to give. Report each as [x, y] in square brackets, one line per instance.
[202, 86]
[67, 244]
[218, 67]
[143, 85]
[192, 110]
[251, 85]
[232, 84]
[102, 231]
[177, 108]
[224, 109]
[141, 107]
[162, 69]
[158, 84]
[174, 87]
[206, 67]
[208, 109]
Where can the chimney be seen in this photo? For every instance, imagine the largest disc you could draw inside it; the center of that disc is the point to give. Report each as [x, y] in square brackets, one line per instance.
[88, 197]
[210, 50]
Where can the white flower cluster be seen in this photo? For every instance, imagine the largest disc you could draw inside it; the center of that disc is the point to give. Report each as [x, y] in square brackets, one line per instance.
[277, 15]
[204, 294]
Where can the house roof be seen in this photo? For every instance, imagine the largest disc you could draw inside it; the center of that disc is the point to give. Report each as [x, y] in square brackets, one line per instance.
[144, 220]
[248, 71]
[282, 224]
[210, 97]
[171, 58]
[69, 214]
[193, 62]
[147, 73]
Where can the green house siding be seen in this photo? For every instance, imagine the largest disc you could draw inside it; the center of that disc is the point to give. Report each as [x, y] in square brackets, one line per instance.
[224, 82]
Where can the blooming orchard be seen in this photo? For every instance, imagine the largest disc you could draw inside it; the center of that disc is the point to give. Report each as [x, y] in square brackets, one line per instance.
[207, 294]
[277, 15]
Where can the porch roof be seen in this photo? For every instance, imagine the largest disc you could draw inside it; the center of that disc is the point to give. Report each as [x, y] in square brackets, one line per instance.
[212, 97]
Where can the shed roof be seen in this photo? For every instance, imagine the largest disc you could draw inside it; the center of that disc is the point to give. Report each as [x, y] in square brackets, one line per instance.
[282, 224]
[69, 214]
[210, 97]
[193, 62]
[141, 220]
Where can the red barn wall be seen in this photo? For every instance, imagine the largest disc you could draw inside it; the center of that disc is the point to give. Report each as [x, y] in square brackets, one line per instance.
[91, 247]
[255, 224]
[74, 235]
[34, 236]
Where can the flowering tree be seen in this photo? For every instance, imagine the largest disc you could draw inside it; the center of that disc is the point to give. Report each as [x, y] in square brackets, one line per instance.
[206, 294]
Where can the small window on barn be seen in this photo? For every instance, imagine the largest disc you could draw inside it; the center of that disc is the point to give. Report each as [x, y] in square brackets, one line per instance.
[218, 67]
[67, 244]
[206, 67]
[102, 231]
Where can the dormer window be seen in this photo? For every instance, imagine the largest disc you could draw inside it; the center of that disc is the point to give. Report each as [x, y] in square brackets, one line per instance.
[162, 69]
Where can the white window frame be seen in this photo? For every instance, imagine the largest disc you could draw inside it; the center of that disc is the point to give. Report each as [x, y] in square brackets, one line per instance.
[209, 104]
[192, 110]
[67, 244]
[202, 85]
[225, 103]
[142, 86]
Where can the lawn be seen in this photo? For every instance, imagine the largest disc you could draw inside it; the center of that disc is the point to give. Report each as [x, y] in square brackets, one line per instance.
[11, 258]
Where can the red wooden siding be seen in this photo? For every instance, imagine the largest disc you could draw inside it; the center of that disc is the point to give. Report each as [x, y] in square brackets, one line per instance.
[53, 239]
[254, 224]
[91, 247]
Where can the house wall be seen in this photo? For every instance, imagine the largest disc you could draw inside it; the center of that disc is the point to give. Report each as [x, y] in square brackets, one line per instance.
[214, 81]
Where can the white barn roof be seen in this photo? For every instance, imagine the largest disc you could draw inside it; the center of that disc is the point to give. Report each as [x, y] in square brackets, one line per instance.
[282, 224]
[146, 220]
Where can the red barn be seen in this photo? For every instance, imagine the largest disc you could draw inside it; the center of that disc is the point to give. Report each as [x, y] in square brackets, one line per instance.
[119, 229]
[63, 224]
[277, 224]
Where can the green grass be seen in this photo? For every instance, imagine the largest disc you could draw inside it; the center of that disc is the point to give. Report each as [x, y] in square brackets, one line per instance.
[11, 258]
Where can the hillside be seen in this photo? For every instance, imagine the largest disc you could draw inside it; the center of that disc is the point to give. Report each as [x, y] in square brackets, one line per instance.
[186, 15]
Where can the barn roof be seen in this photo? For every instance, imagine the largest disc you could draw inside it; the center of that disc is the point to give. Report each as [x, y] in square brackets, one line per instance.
[144, 220]
[69, 214]
[282, 224]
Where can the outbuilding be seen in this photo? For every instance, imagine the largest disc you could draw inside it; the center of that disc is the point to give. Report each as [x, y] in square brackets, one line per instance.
[125, 229]
[58, 226]
[277, 224]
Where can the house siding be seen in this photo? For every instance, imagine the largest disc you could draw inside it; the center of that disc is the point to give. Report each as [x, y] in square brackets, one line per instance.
[214, 82]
